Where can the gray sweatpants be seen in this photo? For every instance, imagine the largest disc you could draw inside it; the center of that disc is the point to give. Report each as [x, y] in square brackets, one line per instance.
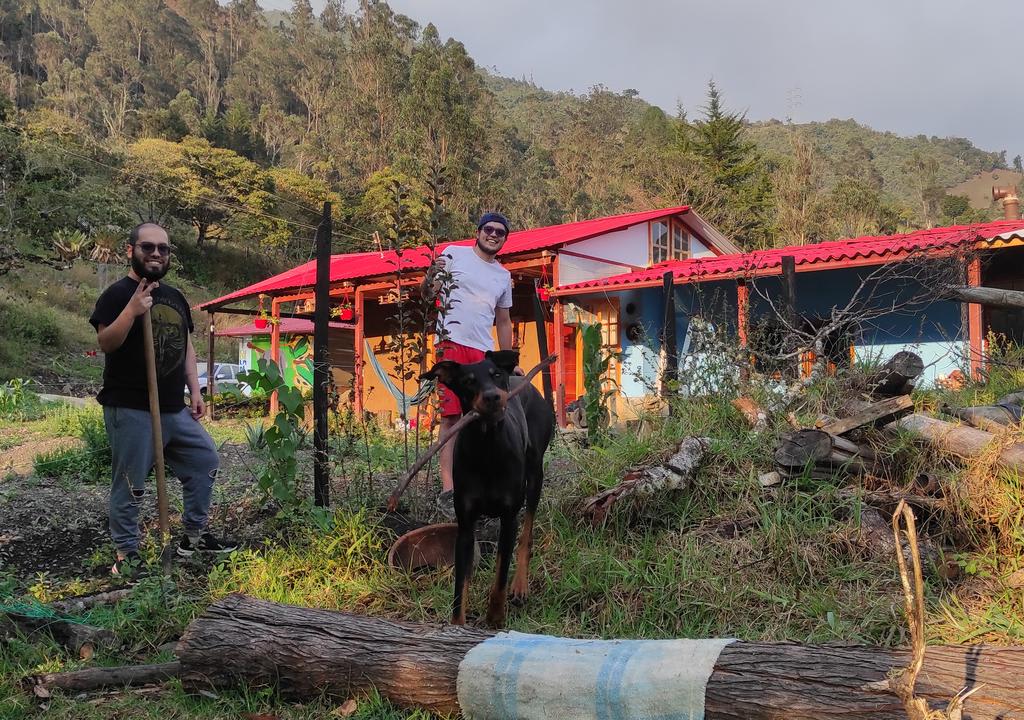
[189, 453]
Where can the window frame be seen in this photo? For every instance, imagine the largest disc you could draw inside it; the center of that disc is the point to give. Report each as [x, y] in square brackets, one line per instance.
[672, 225]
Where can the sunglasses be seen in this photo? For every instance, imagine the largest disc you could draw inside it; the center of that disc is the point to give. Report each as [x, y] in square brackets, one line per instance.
[495, 231]
[149, 248]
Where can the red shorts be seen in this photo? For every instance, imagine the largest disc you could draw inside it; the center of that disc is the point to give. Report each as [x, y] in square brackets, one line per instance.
[450, 405]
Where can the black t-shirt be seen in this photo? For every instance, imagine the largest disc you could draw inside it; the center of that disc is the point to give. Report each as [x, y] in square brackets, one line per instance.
[124, 370]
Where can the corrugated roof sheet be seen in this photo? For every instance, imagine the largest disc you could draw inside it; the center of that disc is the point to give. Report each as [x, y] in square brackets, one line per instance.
[834, 252]
[354, 266]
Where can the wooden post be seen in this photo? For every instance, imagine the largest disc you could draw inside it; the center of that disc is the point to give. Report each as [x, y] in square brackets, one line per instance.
[540, 318]
[275, 346]
[975, 320]
[671, 370]
[321, 360]
[559, 363]
[789, 307]
[211, 381]
[357, 353]
[742, 311]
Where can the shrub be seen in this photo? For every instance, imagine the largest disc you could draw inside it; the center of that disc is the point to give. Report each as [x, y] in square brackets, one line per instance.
[31, 322]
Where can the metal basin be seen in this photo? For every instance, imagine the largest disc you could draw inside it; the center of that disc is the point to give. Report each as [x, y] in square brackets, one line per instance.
[431, 546]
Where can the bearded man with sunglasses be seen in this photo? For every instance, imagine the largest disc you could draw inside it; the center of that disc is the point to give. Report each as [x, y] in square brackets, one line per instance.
[188, 448]
[479, 295]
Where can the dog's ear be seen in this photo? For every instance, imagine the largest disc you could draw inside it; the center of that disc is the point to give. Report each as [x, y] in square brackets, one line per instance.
[507, 360]
[446, 371]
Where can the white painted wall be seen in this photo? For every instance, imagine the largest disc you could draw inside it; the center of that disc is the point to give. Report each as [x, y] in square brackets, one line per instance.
[629, 246]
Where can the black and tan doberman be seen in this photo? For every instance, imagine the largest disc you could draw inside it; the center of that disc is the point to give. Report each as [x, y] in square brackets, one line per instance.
[498, 466]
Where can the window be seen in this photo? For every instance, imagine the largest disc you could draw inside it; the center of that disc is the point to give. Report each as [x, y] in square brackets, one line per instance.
[659, 242]
[670, 240]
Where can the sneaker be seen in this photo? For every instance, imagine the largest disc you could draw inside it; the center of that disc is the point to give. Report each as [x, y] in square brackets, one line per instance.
[127, 567]
[206, 543]
[446, 505]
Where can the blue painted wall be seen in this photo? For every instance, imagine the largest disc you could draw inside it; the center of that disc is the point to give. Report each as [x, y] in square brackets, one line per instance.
[933, 329]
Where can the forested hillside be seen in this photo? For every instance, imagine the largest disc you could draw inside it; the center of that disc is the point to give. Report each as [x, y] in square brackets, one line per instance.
[234, 126]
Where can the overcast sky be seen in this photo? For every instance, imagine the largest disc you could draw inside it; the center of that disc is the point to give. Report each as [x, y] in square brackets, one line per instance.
[937, 67]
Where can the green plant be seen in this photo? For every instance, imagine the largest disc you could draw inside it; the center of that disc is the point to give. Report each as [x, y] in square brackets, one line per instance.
[256, 435]
[283, 437]
[18, 402]
[596, 362]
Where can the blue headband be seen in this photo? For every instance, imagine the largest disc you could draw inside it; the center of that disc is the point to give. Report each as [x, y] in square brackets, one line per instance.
[493, 217]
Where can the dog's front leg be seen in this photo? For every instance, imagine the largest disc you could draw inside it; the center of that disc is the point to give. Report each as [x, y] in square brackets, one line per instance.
[464, 555]
[496, 602]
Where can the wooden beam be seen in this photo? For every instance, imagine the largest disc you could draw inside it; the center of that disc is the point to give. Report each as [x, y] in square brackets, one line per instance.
[211, 381]
[275, 346]
[357, 349]
[670, 372]
[742, 311]
[975, 320]
[878, 413]
[991, 297]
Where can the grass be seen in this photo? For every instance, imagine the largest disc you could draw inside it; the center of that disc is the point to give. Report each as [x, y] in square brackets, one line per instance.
[726, 558]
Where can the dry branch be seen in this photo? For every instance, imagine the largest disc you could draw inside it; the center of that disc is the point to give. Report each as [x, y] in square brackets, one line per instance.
[85, 602]
[101, 677]
[675, 473]
[77, 637]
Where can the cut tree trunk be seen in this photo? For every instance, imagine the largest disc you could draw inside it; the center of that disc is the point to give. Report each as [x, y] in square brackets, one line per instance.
[897, 376]
[990, 418]
[991, 297]
[305, 653]
[819, 455]
[962, 441]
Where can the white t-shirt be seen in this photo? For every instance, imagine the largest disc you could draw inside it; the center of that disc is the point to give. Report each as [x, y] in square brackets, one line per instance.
[478, 287]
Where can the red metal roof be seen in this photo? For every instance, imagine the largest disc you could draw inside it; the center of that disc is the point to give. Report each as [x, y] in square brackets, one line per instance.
[289, 326]
[355, 266]
[837, 252]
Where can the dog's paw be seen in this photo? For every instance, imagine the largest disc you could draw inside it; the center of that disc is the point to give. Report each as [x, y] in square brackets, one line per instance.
[518, 591]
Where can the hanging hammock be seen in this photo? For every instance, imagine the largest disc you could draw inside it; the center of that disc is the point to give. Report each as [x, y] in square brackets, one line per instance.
[402, 400]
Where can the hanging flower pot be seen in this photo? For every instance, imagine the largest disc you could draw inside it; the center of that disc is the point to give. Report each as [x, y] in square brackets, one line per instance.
[345, 314]
[544, 293]
[260, 323]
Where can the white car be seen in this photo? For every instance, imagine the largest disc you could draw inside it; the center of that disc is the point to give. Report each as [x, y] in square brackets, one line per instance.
[226, 377]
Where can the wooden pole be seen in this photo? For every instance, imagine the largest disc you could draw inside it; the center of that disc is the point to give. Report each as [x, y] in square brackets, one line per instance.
[321, 360]
[307, 653]
[275, 346]
[789, 305]
[560, 363]
[670, 373]
[357, 352]
[211, 381]
[158, 437]
[990, 297]
[540, 318]
[975, 320]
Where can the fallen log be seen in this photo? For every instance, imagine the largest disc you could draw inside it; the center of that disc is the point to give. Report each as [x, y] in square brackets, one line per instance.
[81, 639]
[102, 677]
[879, 413]
[898, 375]
[305, 653]
[962, 441]
[675, 473]
[990, 418]
[991, 297]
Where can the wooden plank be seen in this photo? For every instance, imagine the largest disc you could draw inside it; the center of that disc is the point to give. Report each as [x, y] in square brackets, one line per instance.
[879, 413]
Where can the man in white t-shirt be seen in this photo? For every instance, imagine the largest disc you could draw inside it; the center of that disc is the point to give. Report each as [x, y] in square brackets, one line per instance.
[480, 296]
